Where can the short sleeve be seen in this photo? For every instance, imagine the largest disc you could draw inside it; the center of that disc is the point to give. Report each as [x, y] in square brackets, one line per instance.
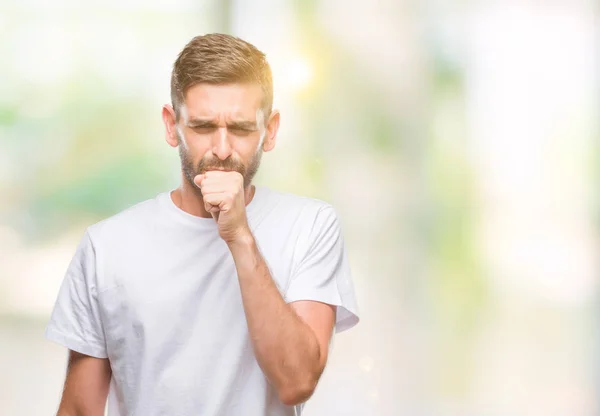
[323, 272]
[75, 321]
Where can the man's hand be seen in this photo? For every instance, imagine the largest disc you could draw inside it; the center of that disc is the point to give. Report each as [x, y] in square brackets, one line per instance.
[223, 194]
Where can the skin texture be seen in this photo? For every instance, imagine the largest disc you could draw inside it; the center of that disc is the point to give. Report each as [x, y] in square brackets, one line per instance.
[221, 134]
[86, 386]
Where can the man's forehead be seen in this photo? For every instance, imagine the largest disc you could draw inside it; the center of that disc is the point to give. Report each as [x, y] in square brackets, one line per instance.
[240, 99]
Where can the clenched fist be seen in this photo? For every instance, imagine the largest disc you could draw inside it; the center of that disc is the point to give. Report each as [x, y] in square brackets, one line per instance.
[223, 194]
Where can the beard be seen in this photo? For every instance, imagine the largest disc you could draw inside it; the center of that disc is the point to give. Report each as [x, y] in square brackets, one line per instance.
[190, 169]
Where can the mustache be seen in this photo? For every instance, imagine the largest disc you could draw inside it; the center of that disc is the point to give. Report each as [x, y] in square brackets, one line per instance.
[227, 164]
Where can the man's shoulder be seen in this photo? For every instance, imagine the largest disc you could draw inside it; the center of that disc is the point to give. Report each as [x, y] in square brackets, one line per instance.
[297, 203]
[294, 208]
[140, 214]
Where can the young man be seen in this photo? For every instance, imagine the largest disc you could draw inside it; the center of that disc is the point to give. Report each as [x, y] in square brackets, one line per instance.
[218, 297]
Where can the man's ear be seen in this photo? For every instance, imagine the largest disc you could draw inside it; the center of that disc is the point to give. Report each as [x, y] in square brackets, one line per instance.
[170, 122]
[271, 133]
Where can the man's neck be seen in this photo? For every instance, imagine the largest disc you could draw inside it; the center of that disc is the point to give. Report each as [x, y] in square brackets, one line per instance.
[189, 198]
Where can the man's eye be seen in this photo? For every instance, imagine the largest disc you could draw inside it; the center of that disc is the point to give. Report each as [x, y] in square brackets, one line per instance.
[204, 130]
[240, 132]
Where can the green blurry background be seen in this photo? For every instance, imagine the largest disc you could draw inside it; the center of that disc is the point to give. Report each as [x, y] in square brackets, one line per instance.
[458, 141]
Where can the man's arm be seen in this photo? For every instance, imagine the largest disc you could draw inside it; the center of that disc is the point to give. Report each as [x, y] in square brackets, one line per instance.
[290, 341]
[86, 386]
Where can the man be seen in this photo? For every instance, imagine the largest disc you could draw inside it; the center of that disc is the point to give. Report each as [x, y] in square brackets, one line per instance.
[218, 297]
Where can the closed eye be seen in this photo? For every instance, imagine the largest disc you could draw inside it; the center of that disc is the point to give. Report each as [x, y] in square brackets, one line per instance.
[239, 131]
[204, 130]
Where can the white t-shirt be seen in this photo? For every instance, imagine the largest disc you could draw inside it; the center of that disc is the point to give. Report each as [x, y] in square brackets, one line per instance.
[155, 290]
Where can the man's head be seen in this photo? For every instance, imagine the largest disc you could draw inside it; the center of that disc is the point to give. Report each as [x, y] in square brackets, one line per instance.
[221, 114]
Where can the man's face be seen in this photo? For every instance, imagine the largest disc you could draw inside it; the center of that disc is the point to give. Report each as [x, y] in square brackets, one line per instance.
[221, 127]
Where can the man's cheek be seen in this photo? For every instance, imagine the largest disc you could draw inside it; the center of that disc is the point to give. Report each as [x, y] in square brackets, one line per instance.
[181, 138]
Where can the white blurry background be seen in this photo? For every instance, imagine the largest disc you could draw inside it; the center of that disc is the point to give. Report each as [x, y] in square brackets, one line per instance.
[458, 141]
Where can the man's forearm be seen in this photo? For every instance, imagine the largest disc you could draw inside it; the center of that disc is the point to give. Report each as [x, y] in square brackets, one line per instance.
[285, 347]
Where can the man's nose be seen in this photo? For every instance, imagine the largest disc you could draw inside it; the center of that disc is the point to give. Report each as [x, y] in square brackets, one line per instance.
[221, 146]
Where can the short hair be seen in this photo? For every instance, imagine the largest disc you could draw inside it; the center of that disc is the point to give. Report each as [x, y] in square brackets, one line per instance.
[220, 59]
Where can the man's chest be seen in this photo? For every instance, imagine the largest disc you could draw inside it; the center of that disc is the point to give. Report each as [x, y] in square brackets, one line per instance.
[162, 290]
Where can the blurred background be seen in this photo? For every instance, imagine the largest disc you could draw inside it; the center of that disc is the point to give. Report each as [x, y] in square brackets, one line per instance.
[458, 140]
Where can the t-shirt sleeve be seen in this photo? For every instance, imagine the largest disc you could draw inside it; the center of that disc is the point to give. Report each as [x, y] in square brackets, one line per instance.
[323, 272]
[75, 321]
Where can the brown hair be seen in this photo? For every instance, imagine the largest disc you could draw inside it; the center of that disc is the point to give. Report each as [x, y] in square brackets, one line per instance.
[220, 59]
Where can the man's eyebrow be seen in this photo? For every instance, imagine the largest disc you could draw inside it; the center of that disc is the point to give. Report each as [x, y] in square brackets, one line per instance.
[242, 125]
[212, 124]
[201, 123]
